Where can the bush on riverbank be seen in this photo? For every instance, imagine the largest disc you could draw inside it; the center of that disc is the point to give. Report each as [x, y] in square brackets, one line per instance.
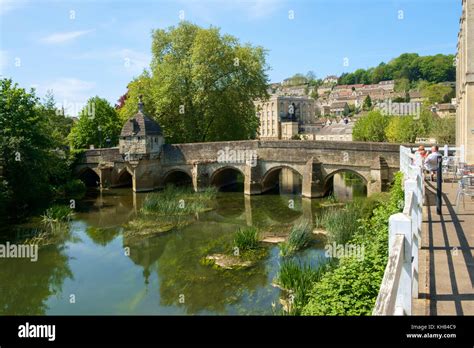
[342, 224]
[297, 279]
[352, 287]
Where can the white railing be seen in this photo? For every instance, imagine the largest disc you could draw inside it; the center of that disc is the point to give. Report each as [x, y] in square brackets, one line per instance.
[400, 281]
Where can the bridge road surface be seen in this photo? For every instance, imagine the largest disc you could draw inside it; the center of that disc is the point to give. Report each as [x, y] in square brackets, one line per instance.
[446, 279]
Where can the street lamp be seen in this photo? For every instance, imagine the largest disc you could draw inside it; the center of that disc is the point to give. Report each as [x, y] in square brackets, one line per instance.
[100, 136]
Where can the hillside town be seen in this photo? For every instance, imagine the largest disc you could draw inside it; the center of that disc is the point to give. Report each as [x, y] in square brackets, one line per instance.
[299, 108]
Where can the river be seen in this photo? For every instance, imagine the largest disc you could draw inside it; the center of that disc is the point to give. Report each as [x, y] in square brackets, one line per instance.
[96, 269]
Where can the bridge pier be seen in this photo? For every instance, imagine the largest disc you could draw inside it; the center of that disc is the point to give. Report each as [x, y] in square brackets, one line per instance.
[105, 175]
[313, 186]
[379, 176]
[200, 177]
[143, 178]
[252, 180]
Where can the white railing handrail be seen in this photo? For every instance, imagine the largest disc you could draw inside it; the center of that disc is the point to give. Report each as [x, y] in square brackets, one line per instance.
[400, 281]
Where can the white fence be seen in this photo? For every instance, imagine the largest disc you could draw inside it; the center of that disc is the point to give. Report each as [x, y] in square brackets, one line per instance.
[400, 280]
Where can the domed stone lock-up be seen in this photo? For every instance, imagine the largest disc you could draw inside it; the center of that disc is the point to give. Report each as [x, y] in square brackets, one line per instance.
[141, 137]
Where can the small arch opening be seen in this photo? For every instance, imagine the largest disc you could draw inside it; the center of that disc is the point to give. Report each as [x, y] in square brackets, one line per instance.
[178, 178]
[345, 185]
[282, 180]
[89, 178]
[125, 179]
[228, 180]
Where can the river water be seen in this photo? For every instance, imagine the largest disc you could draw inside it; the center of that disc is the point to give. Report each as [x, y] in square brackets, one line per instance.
[96, 269]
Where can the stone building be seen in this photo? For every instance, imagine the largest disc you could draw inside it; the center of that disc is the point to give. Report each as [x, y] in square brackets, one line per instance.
[141, 137]
[465, 82]
[276, 111]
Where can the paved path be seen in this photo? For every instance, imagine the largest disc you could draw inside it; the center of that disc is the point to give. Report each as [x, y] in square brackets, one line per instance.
[446, 280]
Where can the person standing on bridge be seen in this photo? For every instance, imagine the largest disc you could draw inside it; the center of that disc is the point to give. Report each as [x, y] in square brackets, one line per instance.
[431, 161]
[420, 156]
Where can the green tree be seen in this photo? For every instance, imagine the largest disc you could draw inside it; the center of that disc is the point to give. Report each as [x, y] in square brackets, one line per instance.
[401, 129]
[58, 124]
[371, 127]
[437, 93]
[24, 144]
[444, 130]
[367, 103]
[98, 125]
[425, 123]
[402, 85]
[202, 85]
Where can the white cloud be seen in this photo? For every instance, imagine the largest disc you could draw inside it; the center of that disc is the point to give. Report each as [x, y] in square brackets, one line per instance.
[124, 60]
[58, 38]
[71, 93]
[10, 5]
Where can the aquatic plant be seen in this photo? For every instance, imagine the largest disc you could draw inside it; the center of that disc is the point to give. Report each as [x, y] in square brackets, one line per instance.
[57, 213]
[342, 224]
[299, 238]
[247, 238]
[297, 279]
[178, 201]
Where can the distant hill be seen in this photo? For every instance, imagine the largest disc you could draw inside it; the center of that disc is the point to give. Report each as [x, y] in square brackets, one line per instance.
[409, 66]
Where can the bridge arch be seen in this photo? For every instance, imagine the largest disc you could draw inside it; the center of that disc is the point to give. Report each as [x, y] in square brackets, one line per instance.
[89, 177]
[177, 177]
[228, 177]
[124, 178]
[345, 177]
[284, 177]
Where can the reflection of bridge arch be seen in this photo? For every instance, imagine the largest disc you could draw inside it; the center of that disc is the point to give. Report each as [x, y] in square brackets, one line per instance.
[177, 177]
[290, 176]
[226, 176]
[89, 177]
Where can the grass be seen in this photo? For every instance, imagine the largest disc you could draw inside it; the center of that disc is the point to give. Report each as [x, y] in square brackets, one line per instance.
[174, 201]
[299, 238]
[297, 279]
[247, 238]
[342, 224]
[57, 213]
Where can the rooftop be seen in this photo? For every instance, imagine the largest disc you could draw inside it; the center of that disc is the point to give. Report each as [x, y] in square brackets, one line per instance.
[140, 125]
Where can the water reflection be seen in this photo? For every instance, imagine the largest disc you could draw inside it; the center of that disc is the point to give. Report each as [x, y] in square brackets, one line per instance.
[347, 186]
[161, 274]
[26, 286]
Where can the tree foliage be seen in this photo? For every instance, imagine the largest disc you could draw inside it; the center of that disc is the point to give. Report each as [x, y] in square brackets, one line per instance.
[371, 127]
[401, 129]
[352, 287]
[98, 125]
[201, 86]
[409, 66]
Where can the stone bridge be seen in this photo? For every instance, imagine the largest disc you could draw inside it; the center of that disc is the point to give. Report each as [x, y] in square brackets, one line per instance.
[259, 162]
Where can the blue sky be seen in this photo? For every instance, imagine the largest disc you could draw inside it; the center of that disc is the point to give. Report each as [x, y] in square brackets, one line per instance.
[84, 48]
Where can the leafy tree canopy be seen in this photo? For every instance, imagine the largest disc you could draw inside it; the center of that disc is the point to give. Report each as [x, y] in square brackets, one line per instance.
[201, 85]
[409, 66]
[98, 125]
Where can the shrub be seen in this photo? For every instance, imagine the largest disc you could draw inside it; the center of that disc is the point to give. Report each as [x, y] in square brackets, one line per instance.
[57, 213]
[352, 287]
[75, 188]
